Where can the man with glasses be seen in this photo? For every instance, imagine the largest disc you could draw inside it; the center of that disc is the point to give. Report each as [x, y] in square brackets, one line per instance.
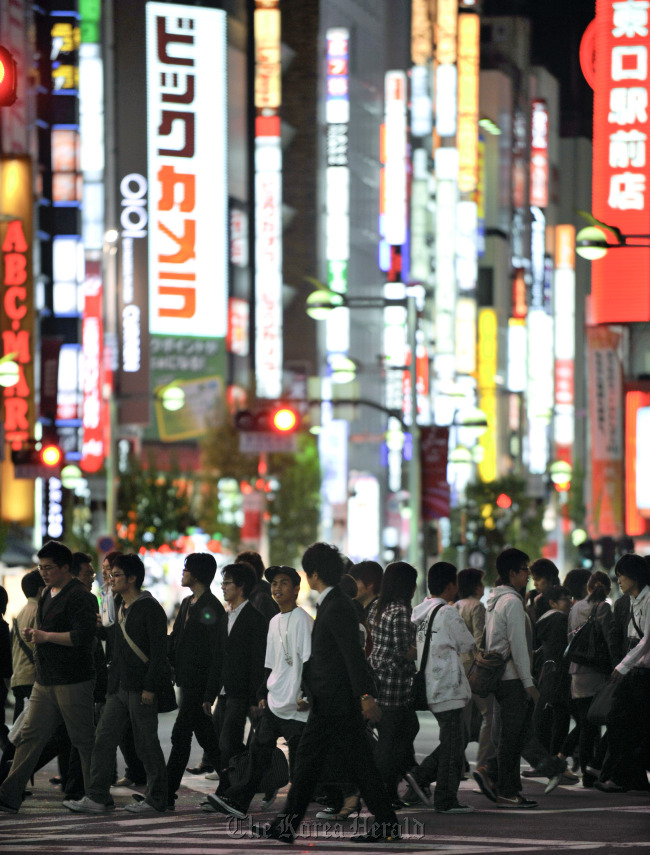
[65, 677]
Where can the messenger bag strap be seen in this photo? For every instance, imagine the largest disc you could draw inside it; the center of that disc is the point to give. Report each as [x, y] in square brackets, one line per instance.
[638, 629]
[134, 647]
[28, 653]
[427, 640]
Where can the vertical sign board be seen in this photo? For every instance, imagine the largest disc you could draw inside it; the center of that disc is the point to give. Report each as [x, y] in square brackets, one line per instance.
[637, 459]
[132, 192]
[621, 191]
[268, 200]
[395, 187]
[488, 332]
[186, 142]
[92, 342]
[16, 31]
[539, 154]
[606, 421]
[469, 36]
[564, 320]
[435, 488]
[17, 279]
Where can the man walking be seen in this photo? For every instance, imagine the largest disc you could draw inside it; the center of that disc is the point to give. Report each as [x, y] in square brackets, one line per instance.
[63, 689]
[134, 682]
[283, 709]
[195, 652]
[341, 688]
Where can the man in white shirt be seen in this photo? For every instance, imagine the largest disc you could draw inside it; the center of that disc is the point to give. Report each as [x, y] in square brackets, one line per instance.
[629, 731]
[283, 707]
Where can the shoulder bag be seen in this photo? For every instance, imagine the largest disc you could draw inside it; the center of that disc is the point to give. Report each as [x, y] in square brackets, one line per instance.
[276, 774]
[486, 671]
[419, 681]
[588, 646]
[165, 694]
[28, 653]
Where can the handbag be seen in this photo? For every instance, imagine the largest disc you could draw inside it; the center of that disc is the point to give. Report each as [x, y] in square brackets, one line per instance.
[276, 775]
[165, 690]
[588, 646]
[486, 671]
[603, 707]
[419, 681]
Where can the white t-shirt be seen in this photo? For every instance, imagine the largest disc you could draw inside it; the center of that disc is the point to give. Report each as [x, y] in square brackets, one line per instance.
[289, 636]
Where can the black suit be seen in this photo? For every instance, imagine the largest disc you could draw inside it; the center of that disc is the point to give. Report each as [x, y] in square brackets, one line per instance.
[242, 671]
[337, 676]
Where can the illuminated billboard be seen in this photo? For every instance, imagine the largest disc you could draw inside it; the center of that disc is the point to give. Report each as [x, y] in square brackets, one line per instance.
[619, 41]
[186, 146]
[539, 154]
[469, 38]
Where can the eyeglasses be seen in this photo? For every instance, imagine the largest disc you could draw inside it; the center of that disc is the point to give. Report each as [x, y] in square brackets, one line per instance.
[45, 568]
[115, 575]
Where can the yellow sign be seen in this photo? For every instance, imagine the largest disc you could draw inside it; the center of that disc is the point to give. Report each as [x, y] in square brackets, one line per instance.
[488, 351]
[421, 33]
[268, 90]
[446, 31]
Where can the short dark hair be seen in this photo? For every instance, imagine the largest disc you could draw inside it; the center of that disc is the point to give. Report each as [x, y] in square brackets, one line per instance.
[32, 583]
[4, 600]
[369, 572]
[348, 585]
[255, 561]
[132, 566]
[243, 575]
[111, 556]
[439, 576]
[556, 593]
[576, 581]
[599, 581]
[544, 568]
[202, 566]
[634, 567]
[468, 582]
[510, 560]
[78, 559]
[56, 552]
[324, 559]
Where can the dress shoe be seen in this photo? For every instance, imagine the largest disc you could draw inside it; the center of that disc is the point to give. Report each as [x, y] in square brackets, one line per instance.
[201, 769]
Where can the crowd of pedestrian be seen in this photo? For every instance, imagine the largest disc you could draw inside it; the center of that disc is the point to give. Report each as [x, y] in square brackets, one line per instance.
[91, 674]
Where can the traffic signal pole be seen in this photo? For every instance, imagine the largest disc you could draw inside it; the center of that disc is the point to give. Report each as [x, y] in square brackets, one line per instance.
[415, 464]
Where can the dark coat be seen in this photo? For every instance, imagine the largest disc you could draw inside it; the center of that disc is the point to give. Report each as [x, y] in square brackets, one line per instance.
[244, 652]
[617, 632]
[337, 673]
[195, 646]
[6, 667]
[146, 625]
[73, 610]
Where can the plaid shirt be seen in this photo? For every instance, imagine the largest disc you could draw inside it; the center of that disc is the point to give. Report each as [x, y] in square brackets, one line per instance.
[391, 639]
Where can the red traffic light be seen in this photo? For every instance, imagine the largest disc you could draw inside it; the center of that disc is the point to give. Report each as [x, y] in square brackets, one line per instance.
[504, 501]
[8, 78]
[51, 455]
[285, 420]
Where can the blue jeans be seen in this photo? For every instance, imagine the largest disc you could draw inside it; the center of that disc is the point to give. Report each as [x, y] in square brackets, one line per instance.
[450, 757]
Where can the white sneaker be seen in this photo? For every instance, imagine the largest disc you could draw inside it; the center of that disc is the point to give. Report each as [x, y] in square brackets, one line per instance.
[141, 807]
[87, 805]
[212, 776]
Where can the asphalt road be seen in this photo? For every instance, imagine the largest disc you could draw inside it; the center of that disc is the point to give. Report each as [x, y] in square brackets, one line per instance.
[567, 820]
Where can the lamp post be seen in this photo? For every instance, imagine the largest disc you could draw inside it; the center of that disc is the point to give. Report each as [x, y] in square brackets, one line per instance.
[319, 304]
[592, 242]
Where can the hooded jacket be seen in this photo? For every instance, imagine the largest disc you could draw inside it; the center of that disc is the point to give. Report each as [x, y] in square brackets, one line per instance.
[508, 631]
[447, 686]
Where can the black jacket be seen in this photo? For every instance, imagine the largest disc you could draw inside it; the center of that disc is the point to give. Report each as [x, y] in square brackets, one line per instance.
[71, 610]
[617, 633]
[195, 645]
[146, 624]
[552, 631]
[337, 674]
[244, 652]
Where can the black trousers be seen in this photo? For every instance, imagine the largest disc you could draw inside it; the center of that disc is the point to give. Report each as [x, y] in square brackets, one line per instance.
[628, 734]
[344, 734]
[229, 718]
[191, 720]
[394, 753]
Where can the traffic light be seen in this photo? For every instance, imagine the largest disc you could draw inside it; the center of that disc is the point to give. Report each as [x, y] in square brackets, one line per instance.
[8, 78]
[279, 419]
[503, 501]
[607, 552]
[587, 553]
[37, 462]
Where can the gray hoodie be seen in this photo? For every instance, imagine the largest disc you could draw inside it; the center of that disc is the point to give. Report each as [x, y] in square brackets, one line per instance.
[508, 631]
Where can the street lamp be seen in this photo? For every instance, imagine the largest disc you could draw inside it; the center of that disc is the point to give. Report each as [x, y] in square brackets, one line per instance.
[592, 241]
[320, 303]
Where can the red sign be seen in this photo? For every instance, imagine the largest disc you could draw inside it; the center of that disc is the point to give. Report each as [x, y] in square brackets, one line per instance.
[539, 154]
[621, 191]
[92, 450]
[435, 489]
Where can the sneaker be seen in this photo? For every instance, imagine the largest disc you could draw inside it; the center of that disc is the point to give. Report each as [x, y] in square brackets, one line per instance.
[485, 783]
[516, 802]
[212, 776]
[552, 783]
[268, 800]
[124, 782]
[568, 779]
[87, 805]
[142, 807]
[411, 798]
[208, 807]
[5, 808]
[222, 804]
[456, 809]
[424, 797]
